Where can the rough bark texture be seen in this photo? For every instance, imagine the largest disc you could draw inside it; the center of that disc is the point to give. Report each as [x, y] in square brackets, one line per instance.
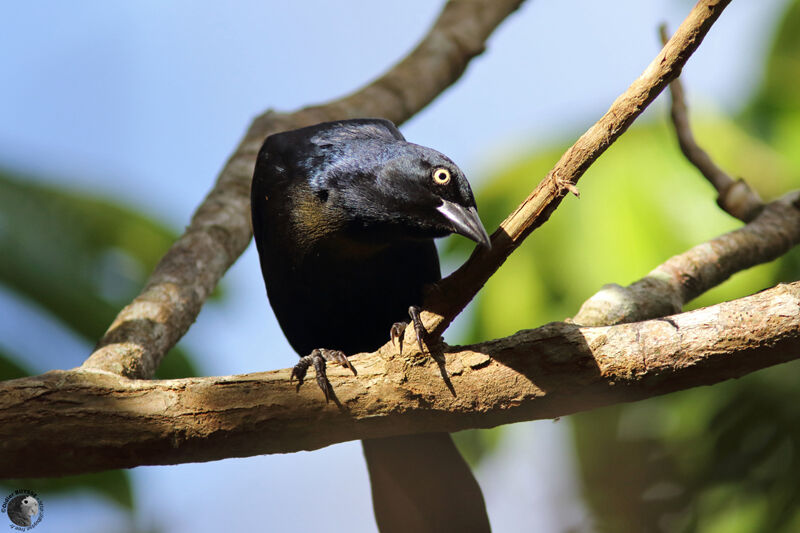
[220, 230]
[76, 421]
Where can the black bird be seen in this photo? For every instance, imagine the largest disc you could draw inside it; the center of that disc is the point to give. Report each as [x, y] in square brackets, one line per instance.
[344, 217]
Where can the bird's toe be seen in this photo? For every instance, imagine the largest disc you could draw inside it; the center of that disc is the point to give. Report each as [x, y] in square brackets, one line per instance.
[338, 357]
[419, 329]
[396, 333]
[319, 358]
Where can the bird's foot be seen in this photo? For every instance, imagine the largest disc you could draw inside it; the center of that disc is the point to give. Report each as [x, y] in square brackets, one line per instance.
[318, 358]
[398, 328]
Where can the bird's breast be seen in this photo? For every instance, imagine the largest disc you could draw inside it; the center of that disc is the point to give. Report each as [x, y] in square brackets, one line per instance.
[348, 299]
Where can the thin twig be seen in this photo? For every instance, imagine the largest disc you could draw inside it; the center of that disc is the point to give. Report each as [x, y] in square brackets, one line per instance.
[735, 197]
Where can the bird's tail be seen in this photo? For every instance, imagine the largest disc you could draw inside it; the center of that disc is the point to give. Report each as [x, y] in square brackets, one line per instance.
[421, 483]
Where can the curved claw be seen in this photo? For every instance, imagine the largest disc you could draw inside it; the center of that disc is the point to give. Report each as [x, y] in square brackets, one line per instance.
[339, 357]
[300, 369]
[396, 333]
[398, 328]
[322, 374]
[419, 329]
[318, 357]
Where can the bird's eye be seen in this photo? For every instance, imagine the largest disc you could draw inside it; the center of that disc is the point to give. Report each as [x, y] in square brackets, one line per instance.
[441, 175]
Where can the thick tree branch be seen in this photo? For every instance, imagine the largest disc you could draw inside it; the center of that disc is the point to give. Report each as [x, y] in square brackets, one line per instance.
[89, 420]
[220, 228]
[735, 197]
[450, 296]
[666, 289]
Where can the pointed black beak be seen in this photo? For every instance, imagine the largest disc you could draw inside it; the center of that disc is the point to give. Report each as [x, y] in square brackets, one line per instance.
[465, 221]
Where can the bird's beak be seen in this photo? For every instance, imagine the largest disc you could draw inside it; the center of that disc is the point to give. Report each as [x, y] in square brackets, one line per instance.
[465, 221]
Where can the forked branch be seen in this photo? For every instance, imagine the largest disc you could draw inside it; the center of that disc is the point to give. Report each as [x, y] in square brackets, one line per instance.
[452, 294]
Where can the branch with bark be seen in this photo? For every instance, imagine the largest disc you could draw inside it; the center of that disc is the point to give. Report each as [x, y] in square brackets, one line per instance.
[97, 417]
[77, 421]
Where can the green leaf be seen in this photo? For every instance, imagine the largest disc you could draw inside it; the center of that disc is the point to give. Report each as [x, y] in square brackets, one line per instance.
[777, 101]
[79, 257]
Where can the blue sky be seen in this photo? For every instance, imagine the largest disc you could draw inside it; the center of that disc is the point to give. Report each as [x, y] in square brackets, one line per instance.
[143, 101]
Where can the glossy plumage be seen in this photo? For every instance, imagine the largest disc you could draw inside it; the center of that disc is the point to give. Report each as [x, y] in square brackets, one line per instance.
[344, 217]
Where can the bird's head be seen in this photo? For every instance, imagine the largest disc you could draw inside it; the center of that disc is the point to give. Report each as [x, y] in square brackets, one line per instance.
[424, 193]
[364, 176]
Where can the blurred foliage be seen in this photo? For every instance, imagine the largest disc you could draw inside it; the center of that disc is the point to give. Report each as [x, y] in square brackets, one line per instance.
[10, 369]
[774, 113]
[475, 445]
[79, 259]
[714, 459]
[114, 485]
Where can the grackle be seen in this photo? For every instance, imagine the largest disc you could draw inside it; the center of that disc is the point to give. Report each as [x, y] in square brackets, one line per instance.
[344, 216]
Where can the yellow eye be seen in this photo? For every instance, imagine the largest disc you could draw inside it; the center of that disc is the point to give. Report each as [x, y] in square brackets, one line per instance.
[441, 176]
